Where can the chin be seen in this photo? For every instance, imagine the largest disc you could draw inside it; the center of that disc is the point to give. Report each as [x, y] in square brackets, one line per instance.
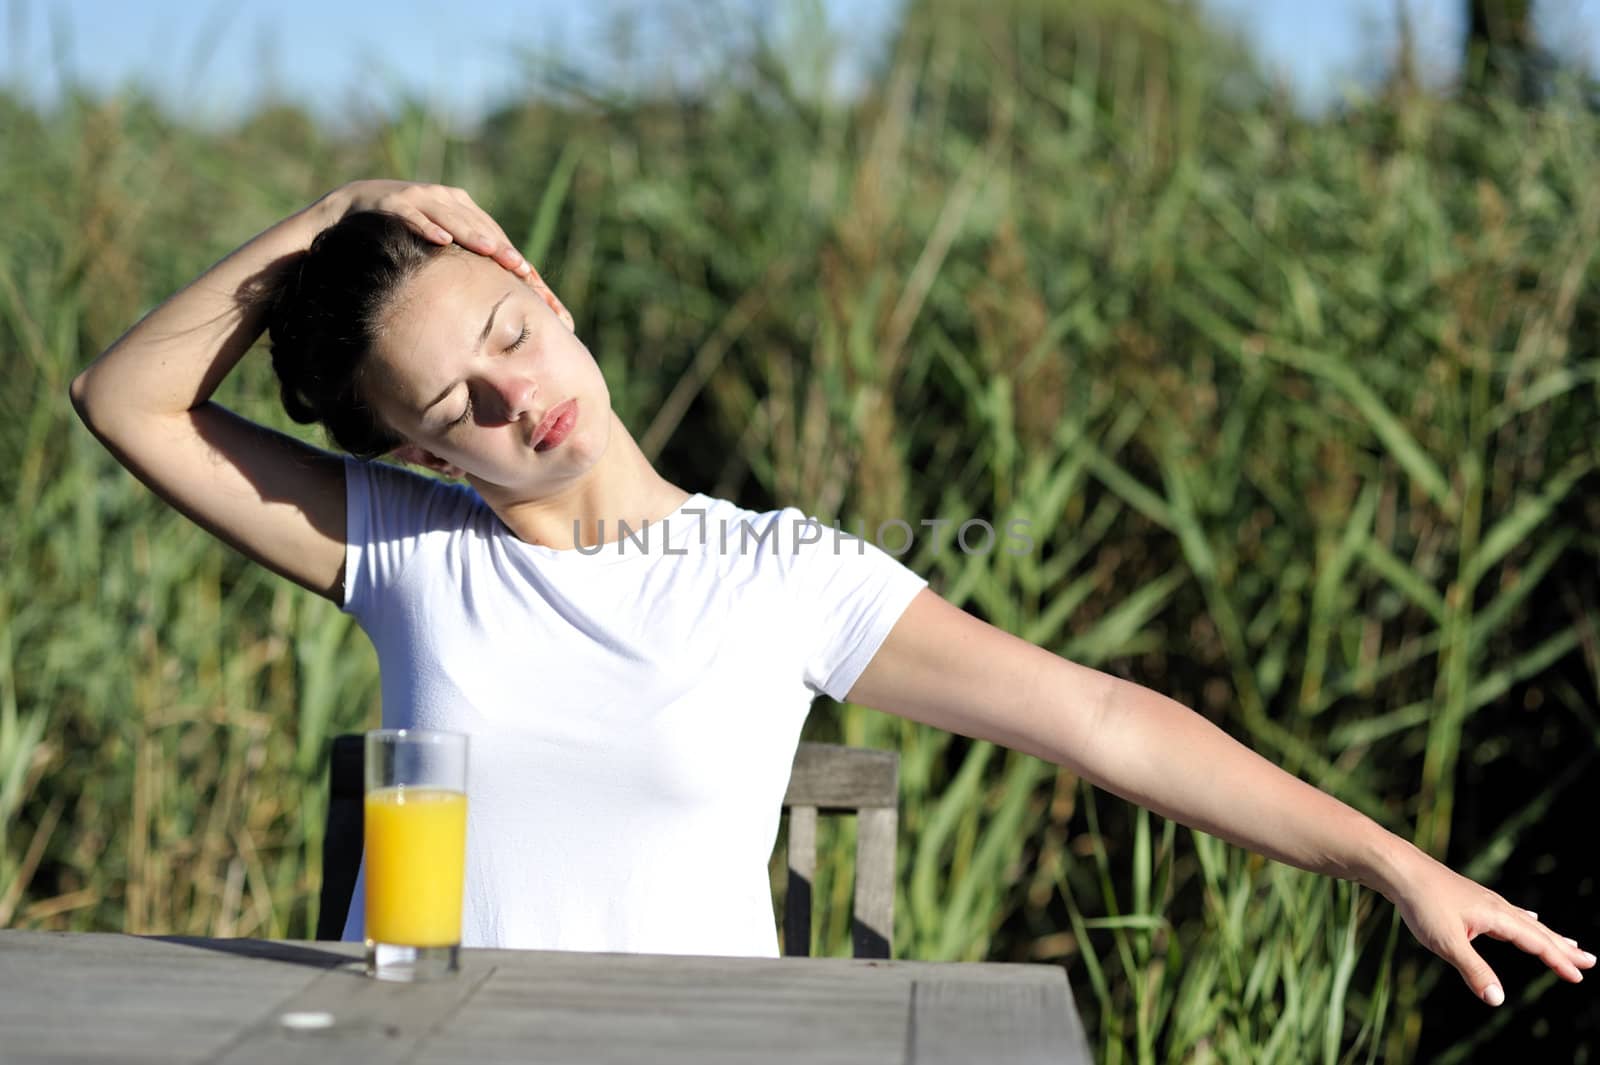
[589, 437]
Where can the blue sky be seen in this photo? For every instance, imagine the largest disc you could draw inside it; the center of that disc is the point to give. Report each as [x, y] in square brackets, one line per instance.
[1321, 46]
[213, 58]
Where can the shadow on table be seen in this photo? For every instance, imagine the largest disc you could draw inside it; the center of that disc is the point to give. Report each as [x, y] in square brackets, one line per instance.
[269, 950]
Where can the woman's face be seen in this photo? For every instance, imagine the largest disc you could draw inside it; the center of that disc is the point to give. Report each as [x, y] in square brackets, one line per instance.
[470, 360]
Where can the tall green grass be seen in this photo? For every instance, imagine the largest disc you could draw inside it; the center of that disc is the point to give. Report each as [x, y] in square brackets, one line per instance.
[1301, 414]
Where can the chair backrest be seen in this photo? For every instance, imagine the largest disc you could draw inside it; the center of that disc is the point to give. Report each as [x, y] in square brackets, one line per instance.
[825, 778]
[830, 778]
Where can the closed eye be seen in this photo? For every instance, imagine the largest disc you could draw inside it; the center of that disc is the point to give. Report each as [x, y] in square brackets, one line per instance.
[466, 412]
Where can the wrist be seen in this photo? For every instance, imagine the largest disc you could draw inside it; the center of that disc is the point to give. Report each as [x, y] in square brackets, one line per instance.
[332, 206]
[1392, 863]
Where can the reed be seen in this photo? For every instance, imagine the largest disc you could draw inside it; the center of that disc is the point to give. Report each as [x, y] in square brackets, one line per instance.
[1300, 415]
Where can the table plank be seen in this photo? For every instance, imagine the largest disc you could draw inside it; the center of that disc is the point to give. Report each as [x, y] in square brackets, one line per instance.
[373, 1022]
[682, 1010]
[68, 998]
[82, 998]
[955, 1021]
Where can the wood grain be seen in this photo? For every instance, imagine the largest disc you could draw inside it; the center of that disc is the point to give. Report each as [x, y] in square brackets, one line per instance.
[837, 778]
[85, 999]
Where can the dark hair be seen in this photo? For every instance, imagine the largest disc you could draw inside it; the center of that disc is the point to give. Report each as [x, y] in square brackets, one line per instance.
[323, 312]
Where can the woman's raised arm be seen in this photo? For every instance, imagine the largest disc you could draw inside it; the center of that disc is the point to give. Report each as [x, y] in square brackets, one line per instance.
[147, 397]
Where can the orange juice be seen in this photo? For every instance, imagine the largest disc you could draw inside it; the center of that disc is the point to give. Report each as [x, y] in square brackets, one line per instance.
[416, 842]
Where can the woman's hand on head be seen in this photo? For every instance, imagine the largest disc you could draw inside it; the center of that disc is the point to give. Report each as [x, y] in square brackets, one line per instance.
[440, 213]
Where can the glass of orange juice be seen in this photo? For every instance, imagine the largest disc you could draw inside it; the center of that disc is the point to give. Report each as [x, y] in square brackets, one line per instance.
[415, 836]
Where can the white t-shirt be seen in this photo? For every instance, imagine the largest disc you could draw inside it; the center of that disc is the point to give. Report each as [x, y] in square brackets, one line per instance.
[633, 709]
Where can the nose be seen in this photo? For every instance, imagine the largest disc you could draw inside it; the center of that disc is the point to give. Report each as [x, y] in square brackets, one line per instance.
[517, 395]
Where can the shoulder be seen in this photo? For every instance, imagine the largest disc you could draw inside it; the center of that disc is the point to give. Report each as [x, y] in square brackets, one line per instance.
[393, 500]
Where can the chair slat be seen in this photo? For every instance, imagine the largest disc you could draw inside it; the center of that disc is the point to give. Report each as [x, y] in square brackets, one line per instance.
[833, 777]
[802, 874]
[872, 927]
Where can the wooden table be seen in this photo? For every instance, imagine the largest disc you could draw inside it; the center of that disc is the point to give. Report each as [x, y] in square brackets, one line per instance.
[70, 997]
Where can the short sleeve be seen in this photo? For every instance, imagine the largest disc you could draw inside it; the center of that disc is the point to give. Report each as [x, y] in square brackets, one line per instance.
[390, 514]
[854, 592]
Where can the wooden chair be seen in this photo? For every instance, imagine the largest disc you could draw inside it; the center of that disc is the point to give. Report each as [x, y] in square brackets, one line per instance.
[825, 778]
[829, 778]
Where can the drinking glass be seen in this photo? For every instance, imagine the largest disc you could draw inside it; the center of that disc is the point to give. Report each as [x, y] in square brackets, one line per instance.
[415, 829]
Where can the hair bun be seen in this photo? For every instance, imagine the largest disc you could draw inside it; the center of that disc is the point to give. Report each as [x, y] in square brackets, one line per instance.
[293, 357]
[322, 311]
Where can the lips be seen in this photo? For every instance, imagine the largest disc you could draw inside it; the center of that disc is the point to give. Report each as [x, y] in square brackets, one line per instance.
[555, 425]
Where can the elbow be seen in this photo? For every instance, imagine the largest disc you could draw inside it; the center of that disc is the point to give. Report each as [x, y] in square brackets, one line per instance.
[89, 403]
[78, 392]
[83, 401]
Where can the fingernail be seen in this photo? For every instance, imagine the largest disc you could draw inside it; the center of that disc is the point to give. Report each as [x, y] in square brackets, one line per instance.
[1586, 956]
[1493, 995]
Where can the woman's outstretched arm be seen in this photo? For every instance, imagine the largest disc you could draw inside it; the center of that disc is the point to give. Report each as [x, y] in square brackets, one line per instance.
[944, 667]
[147, 397]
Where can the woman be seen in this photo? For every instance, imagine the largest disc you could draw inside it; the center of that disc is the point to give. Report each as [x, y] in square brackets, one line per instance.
[633, 660]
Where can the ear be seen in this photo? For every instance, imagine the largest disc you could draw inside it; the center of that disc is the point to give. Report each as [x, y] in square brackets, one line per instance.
[413, 455]
[551, 300]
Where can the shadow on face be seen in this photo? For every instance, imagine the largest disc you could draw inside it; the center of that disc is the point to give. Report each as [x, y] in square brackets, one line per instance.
[470, 357]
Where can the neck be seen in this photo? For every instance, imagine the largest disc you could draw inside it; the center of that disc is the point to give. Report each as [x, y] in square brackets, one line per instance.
[621, 487]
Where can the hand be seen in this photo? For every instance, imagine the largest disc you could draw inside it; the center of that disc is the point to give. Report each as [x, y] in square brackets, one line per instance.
[1446, 911]
[440, 213]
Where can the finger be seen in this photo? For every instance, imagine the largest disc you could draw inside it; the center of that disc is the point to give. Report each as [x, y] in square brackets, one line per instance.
[504, 252]
[476, 231]
[1479, 977]
[1580, 958]
[473, 229]
[477, 224]
[1536, 941]
[510, 258]
[425, 226]
[1585, 959]
[467, 231]
[493, 239]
